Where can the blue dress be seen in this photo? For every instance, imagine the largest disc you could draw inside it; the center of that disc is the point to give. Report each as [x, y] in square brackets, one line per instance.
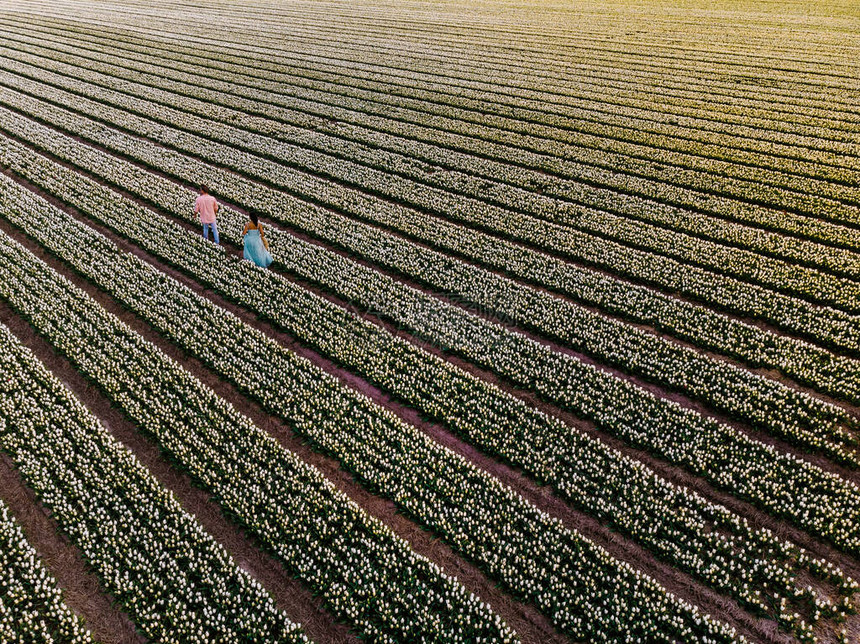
[255, 250]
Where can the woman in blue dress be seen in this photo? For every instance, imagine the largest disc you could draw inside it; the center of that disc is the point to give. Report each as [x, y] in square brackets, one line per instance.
[256, 246]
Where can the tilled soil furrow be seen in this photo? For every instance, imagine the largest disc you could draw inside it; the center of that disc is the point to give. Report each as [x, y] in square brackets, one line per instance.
[81, 587]
[523, 618]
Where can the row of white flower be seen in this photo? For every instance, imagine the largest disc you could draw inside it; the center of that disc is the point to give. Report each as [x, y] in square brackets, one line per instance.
[583, 470]
[168, 574]
[32, 609]
[622, 123]
[384, 40]
[603, 238]
[753, 398]
[472, 178]
[578, 585]
[596, 136]
[557, 386]
[130, 24]
[823, 324]
[336, 41]
[366, 573]
[704, 327]
[757, 111]
[599, 128]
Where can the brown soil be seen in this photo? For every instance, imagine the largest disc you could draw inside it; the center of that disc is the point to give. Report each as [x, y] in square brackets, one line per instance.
[525, 619]
[759, 323]
[82, 589]
[554, 344]
[289, 595]
[846, 472]
[517, 615]
[539, 217]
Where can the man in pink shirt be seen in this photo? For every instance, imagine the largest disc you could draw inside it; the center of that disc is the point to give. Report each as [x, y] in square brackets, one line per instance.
[206, 207]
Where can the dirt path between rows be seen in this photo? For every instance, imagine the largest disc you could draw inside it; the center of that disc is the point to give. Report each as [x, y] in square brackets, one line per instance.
[82, 589]
[527, 621]
[538, 336]
[396, 274]
[299, 604]
[369, 189]
[531, 625]
[660, 391]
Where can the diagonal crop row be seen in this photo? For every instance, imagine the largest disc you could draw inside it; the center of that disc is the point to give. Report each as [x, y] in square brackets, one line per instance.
[625, 133]
[517, 189]
[463, 70]
[683, 103]
[405, 72]
[815, 367]
[32, 609]
[585, 592]
[367, 28]
[458, 61]
[751, 565]
[171, 577]
[634, 74]
[366, 573]
[828, 326]
[604, 233]
[797, 416]
[819, 502]
[744, 134]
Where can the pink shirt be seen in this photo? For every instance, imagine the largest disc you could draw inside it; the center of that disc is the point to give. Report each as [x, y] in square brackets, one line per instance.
[205, 206]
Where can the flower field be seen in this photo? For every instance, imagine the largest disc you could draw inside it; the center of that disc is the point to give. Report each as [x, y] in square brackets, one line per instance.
[561, 341]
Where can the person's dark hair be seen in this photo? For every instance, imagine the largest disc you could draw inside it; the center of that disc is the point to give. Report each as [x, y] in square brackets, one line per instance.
[204, 189]
[253, 215]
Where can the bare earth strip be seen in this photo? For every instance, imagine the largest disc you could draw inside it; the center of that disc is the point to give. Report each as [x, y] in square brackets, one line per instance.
[525, 620]
[81, 588]
[288, 594]
[519, 616]
[785, 105]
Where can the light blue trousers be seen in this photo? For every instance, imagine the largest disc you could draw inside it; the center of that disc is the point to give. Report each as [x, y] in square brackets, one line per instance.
[214, 228]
